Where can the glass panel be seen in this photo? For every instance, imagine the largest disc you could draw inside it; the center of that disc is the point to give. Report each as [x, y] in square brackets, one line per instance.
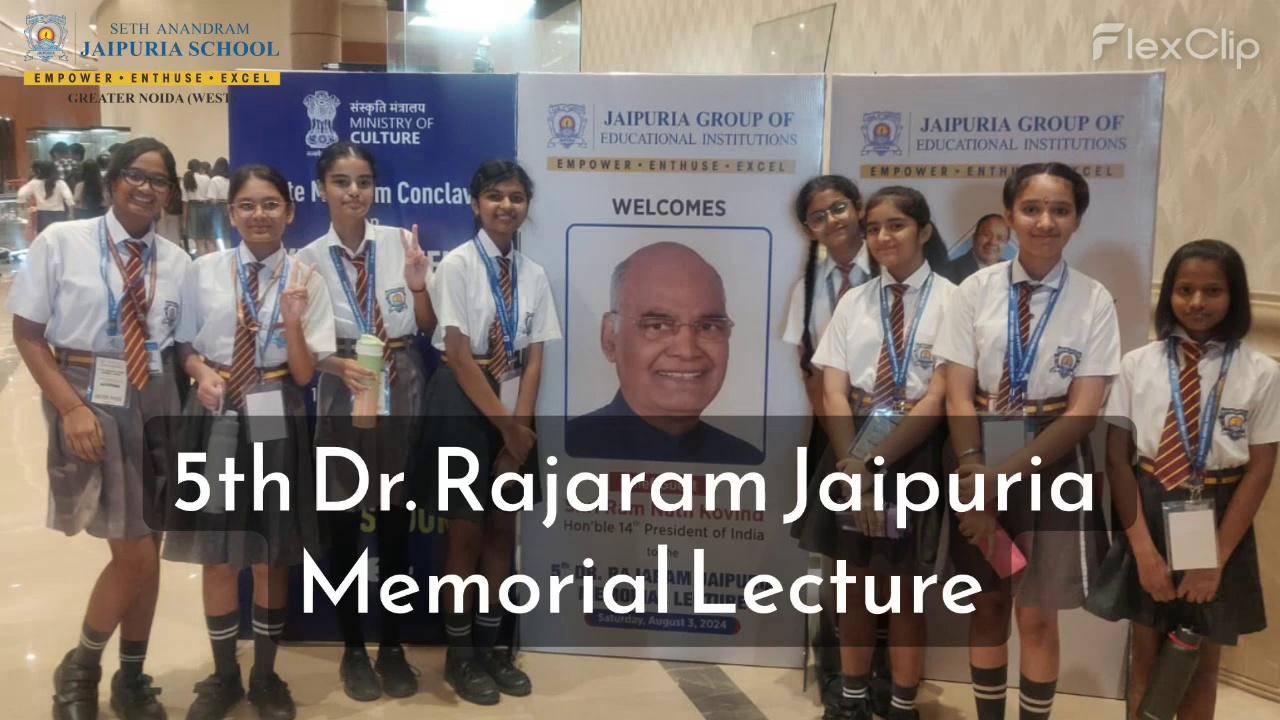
[502, 36]
[793, 44]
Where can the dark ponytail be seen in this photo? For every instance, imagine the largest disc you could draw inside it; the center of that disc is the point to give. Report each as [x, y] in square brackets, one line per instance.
[806, 337]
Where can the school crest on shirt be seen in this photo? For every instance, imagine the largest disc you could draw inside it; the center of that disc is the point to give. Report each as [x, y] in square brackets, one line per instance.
[924, 356]
[397, 299]
[1065, 361]
[171, 313]
[1235, 422]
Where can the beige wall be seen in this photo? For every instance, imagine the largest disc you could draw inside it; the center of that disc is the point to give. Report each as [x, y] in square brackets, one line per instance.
[191, 131]
[1220, 158]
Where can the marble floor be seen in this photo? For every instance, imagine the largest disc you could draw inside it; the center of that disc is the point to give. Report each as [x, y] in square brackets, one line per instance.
[46, 580]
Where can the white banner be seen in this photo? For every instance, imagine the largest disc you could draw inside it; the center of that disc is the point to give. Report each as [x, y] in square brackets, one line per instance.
[955, 139]
[690, 179]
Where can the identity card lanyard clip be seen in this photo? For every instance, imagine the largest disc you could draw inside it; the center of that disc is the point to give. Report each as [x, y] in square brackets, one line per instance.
[1022, 359]
[506, 315]
[1196, 454]
[900, 364]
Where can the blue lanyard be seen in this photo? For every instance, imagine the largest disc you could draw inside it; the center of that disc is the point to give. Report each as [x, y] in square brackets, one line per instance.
[506, 316]
[1207, 418]
[251, 303]
[899, 364]
[1022, 359]
[365, 318]
[114, 308]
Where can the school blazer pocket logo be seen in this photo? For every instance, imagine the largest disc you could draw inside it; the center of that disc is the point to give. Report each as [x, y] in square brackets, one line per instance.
[1065, 361]
[1235, 423]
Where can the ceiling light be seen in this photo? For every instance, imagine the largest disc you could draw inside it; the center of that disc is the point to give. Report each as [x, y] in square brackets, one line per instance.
[472, 14]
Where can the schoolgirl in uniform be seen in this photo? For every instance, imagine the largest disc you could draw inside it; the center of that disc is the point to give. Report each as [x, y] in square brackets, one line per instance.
[495, 311]
[1201, 412]
[377, 281]
[1053, 372]
[94, 313]
[255, 324]
[829, 207]
[879, 346]
[195, 196]
[53, 199]
[219, 220]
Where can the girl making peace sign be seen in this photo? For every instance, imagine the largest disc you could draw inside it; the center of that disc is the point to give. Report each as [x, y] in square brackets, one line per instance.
[254, 327]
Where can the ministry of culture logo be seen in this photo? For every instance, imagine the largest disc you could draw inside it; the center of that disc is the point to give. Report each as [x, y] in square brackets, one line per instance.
[880, 130]
[1234, 422]
[322, 108]
[567, 123]
[46, 35]
[1065, 361]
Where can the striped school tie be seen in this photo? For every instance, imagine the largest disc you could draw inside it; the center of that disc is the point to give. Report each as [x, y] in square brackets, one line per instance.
[1172, 465]
[499, 363]
[134, 317]
[1004, 400]
[884, 369]
[845, 283]
[362, 297]
[244, 366]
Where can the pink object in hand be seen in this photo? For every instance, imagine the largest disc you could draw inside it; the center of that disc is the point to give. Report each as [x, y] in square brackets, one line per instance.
[1005, 557]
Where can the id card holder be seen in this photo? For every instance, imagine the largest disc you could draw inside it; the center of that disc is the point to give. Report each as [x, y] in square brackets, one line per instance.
[1190, 534]
[264, 410]
[878, 426]
[224, 438]
[509, 390]
[155, 361]
[109, 385]
[1003, 437]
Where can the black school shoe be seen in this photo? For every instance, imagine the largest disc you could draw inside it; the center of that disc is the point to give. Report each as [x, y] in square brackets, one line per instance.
[399, 679]
[270, 697]
[133, 698]
[216, 696]
[510, 679]
[75, 690]
[899, 714]
[848, 709]
[358, 679]
[470, 681]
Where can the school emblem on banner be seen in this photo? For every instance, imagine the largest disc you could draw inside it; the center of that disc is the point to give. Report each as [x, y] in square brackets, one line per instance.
[397, 299]
[880, 130]
[46, 37]
[1234, 422]
[924, 355]
[567, 123]
[1065, 361]
[322, 108]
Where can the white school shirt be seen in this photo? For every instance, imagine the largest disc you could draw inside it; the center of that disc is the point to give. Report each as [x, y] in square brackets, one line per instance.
[60, 285]
[201, 193]
[217, 189]
[826, 283]
[57, 201]
[1082, 338]
[463, 298]
[1248, 409]
[393, 296]
[209, 301]
[853, 339]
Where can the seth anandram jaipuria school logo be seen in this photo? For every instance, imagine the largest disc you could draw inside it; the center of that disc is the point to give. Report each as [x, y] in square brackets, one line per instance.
[567, 122]
[880, 130]
[46, 37]
[322, 108]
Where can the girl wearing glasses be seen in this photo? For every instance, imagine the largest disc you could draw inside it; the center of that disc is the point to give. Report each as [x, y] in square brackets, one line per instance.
[829, 208]
[255, 324]
[377, 281]
[495, 311]
[103, 293]
[878, 367]
[1034, 343]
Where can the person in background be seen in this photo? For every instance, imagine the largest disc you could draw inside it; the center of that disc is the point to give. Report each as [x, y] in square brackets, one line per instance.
[53, 199]
[990, 237]
[195, 212]
[90, 199]
[60, 156]
[220, 226]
